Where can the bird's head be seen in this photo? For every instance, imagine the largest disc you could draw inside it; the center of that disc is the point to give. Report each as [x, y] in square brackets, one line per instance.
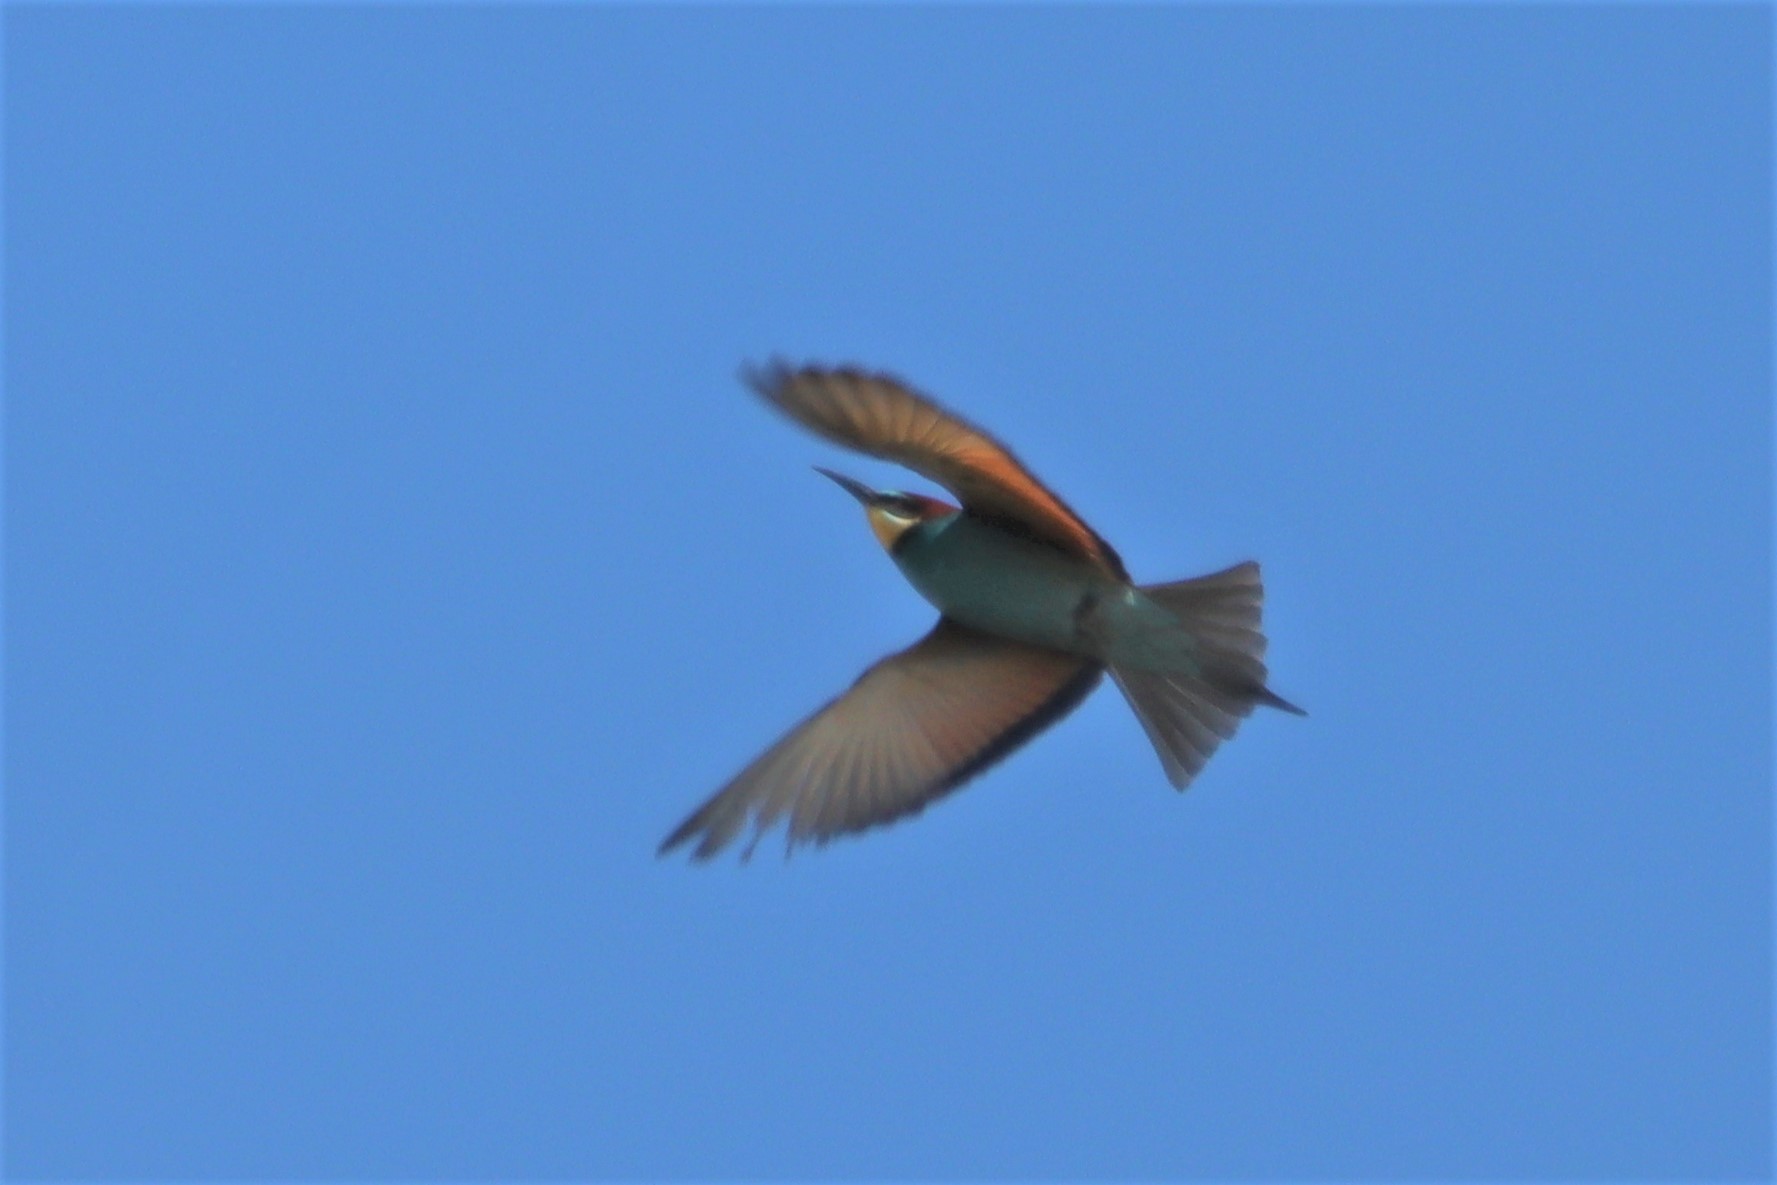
[890, 512]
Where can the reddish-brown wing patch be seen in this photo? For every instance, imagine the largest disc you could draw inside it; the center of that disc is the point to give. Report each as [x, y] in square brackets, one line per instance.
[879, 415]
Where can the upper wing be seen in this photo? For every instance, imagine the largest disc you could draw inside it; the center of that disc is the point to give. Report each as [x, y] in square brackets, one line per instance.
[915, 725]
[879, 415]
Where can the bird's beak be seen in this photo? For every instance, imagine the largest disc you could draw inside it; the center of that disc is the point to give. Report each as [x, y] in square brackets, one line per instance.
[856, 489]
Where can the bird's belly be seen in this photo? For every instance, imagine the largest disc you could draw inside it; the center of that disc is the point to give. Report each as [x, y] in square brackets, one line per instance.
[1001, 603]
[1003, 584]
[997, 582]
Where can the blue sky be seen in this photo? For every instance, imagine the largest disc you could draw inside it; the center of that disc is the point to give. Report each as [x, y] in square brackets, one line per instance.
[393, 558]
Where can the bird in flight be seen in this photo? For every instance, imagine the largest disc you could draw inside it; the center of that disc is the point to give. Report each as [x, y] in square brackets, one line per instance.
[1034, 607]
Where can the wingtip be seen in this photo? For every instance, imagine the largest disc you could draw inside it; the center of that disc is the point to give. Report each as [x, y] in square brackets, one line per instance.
[697, 855]
[712, 840]
[768, 377]
[681, 835]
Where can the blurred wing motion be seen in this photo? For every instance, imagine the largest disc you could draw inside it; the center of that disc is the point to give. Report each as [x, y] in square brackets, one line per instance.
[881, 416]
[914, 726]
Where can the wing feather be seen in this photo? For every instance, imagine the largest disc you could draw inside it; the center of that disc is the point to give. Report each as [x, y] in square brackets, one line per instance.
[913, 727]
[879, 415]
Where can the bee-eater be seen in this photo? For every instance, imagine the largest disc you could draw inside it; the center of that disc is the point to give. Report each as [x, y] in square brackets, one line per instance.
[1033, 608]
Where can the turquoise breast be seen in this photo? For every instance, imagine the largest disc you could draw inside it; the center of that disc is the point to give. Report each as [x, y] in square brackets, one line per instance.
[1003, 583]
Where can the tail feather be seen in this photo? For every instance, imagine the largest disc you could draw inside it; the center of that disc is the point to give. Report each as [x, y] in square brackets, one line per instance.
[1187, 716]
